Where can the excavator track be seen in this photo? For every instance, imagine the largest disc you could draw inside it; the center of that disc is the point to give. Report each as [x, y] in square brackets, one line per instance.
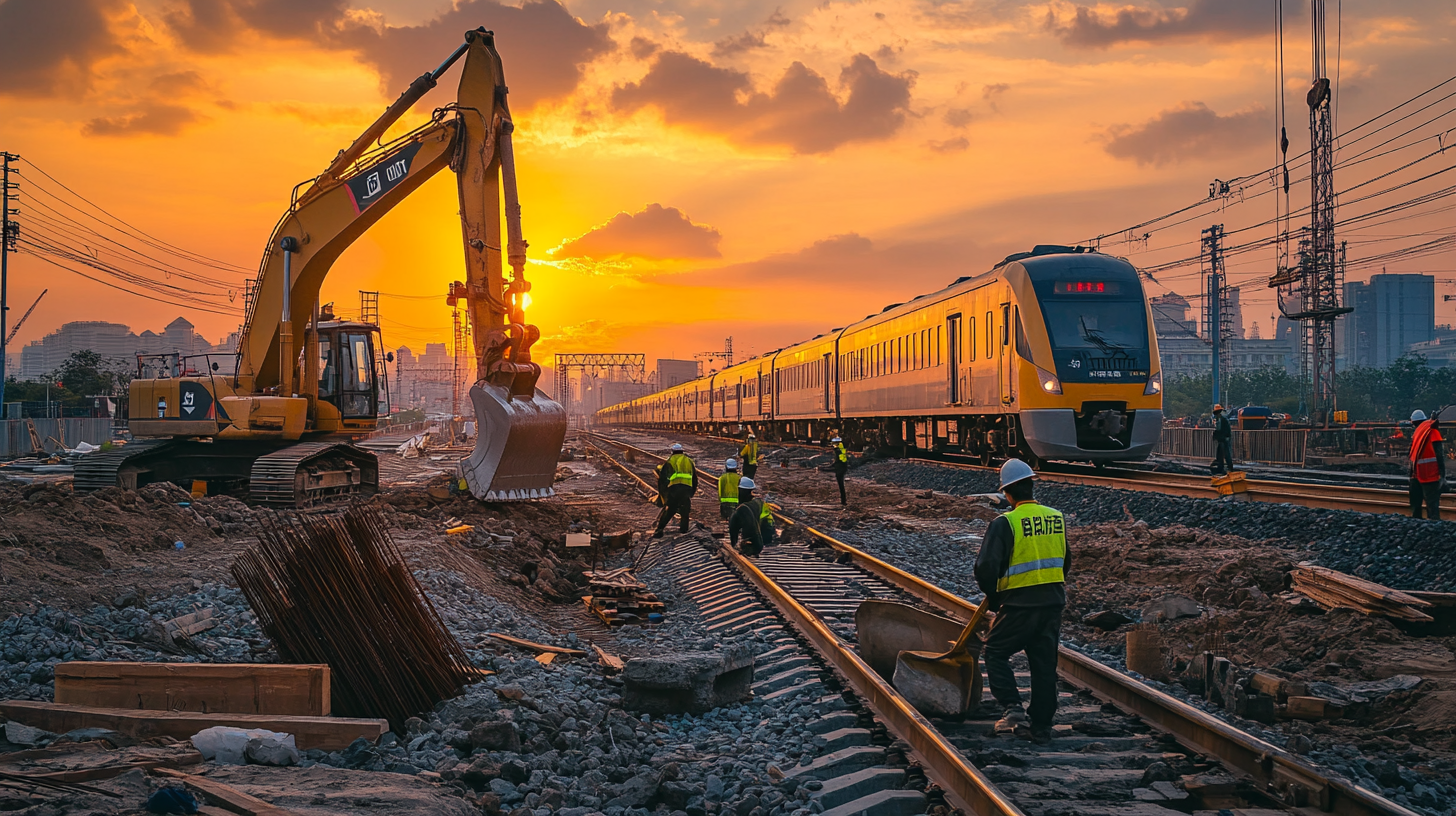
[313, 472]
[103, 469]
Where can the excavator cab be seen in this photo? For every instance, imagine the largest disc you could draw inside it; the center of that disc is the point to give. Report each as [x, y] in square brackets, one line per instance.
[350, 377]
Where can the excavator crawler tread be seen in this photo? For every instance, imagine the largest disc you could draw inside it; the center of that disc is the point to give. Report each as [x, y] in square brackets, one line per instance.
[276, 481]
[98, 470]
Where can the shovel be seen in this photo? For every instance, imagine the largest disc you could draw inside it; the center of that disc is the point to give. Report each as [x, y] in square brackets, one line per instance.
[517, 444]
[947, 684]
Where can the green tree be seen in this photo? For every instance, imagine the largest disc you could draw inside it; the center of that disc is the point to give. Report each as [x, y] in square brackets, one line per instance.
[86, 373]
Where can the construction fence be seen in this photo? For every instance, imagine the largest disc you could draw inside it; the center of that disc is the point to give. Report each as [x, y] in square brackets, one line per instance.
[16, 439]
[1274, 447]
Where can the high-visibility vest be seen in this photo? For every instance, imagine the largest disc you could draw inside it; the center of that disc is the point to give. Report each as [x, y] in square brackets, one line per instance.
[728, 487]
[1423, 452]
[765, 513]
[682, 469]
[841, 453]
[1039, 548]
[750, 453]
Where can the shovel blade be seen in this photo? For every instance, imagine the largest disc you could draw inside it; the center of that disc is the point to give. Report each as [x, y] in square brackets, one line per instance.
[886, 628]
[939, 686]
[517, 445]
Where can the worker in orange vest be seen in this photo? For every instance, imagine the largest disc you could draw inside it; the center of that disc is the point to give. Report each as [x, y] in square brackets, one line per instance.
[1427, 466]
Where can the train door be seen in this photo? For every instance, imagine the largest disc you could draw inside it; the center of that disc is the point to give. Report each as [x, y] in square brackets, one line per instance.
[953, 357]
[828, 378]
[762, 392]
[1003, 357]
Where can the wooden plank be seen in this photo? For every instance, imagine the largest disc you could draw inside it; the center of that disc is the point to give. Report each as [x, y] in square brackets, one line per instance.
[113, 771]
[327, 733]
[1266, 684]
[1311, 708]
[231, 688]
[199, 621]
[1437, 599]
[226, 796]
[610, 662]
[545, 658]
[538, 648]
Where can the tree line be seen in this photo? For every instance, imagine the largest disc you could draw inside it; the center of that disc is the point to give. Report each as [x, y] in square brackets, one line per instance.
[1369, 394]
[84, 374]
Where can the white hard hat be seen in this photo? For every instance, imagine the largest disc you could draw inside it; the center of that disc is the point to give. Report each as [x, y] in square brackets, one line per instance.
[751, 436]
[1418, 415]
[731, 464]
[746, 484]
[677, 447]
[836, 439]
[1014, 471]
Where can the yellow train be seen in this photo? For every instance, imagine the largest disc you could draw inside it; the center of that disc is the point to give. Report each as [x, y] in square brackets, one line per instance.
[1048, 356]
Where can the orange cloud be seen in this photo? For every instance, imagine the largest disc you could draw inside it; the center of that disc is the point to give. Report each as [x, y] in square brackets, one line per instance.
[655, 233]
[1189, 130]
[1093, 28]
[50, 47]
[154, 119]
[800, 112]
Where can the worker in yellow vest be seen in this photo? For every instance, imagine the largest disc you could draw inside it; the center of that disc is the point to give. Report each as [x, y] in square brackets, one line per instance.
[681, 479]
[728, 489]
[1022, 569]
[749, 456]
[841, 467]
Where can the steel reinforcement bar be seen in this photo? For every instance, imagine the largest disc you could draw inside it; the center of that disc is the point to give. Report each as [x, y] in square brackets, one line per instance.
[1290, 779]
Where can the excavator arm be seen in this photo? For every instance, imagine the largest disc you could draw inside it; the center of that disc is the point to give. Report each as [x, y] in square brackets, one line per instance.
[520, 430]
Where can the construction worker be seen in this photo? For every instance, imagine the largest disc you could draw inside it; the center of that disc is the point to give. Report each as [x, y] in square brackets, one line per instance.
[677, 481]
[749, 456]
[746, 521]
[1427, 466]
[1022, 569]
[1223, 440]
[728, 489]
[841, 467]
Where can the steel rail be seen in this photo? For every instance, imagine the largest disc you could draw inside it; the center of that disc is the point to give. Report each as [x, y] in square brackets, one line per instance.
[1280, 773]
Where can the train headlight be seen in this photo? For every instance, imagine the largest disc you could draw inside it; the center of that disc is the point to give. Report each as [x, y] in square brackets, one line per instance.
[1049, 382]
[1155, 385]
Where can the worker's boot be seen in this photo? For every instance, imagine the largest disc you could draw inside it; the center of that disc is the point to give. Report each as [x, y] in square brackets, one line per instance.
[1014, 722]
[1039, 734]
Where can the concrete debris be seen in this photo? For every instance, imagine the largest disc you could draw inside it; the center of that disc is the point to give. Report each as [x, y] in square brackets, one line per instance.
[692, 682]
[230, 746]
[271, 751]
[21, 734]
[1171, 608]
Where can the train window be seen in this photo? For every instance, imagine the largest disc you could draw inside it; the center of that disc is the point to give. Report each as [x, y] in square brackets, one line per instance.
[990, 332]
[971, 338]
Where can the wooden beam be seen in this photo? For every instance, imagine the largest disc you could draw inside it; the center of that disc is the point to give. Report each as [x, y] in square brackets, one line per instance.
[538, 648]
[226, 796]
[199, 621]
[326, 733]
[232, 688]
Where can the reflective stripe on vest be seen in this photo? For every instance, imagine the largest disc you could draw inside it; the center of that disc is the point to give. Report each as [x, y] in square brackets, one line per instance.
[750, 453]
[1039, 548]
[682, 469]
[1423, 452]
[842, 453]
[728, 488]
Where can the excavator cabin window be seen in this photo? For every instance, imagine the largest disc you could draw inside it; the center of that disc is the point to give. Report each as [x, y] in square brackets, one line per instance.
[346, 372]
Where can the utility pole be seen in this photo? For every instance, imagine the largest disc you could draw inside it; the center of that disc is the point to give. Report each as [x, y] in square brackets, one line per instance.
[1215, 296]
[9, 237]
[1318, 282]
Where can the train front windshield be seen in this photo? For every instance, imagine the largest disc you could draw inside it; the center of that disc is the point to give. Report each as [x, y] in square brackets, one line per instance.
[1095, 317]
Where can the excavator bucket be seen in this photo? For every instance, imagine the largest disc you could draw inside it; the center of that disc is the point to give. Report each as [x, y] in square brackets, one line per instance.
[517, 444]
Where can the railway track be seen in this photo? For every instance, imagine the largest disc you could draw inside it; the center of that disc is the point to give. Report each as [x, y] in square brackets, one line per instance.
[1118, 742]
[1325, 496]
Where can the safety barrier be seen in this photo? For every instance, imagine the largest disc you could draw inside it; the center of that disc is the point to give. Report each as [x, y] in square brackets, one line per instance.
[15, 439]
[1274, 447]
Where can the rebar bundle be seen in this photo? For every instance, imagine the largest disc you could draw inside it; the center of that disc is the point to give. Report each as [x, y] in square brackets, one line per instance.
[336, 590]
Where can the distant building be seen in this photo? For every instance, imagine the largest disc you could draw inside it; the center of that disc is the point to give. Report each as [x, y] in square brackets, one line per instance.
[425, 381]
[675, 372]
[1392, 313]
[1184, 351]
[119, 346]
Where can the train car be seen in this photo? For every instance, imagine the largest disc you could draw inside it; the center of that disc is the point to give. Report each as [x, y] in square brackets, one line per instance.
[736, 394]
[1048, 356]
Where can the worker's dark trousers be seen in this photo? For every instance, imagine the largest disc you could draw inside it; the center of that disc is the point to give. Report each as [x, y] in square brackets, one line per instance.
[1223, 456]
[749, 470]
[726, 509]
[1036, 630]
[1430, 492]
[679, 500]
[839, 477]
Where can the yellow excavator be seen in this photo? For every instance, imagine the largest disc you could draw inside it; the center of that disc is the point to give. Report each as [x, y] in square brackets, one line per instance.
[306, 384]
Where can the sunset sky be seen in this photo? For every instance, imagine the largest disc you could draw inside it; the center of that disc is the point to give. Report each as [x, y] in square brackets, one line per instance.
[766, 169]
